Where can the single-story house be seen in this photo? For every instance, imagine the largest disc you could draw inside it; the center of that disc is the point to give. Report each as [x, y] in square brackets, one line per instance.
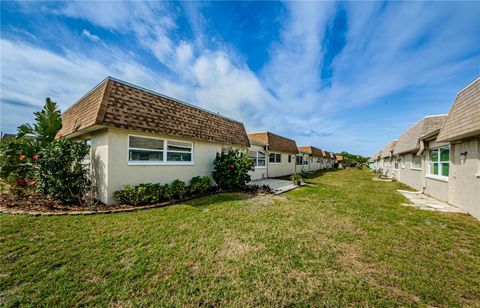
[339, 161]
[462, 132]
[281, 153]
[329, 160]
[140, 136]
[411, 168]
[314, 157]
[386, 159]
[440, 155]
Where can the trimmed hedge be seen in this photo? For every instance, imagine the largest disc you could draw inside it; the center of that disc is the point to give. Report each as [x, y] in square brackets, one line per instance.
[148, 193]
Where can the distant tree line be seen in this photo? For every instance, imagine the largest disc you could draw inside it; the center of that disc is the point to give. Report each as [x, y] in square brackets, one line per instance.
[352, 160]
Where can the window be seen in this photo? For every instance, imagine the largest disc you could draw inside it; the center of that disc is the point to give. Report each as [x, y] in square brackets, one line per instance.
[155, 150]
[305, 161]
[402, 162]
[289, 159]
[416, 162]
[299, 160]
[88, 143]
[439, 162]
[275, 158]
[258, 157]
[396, 163]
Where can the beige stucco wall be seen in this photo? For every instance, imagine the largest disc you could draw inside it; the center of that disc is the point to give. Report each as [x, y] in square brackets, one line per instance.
[259, 172]
[464, 177]
[120, 172]
[410, 176]
[306, 168]
[316, 165]
[283, 168]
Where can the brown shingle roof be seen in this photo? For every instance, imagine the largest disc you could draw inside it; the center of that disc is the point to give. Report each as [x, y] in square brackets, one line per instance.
[311, 150]
[327, 154]
[275, 142]
[464, 117]
[114, 103]
[408, 141]
[388, 148]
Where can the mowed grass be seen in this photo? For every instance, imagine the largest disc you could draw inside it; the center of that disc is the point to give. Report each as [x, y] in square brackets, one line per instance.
[342, 240]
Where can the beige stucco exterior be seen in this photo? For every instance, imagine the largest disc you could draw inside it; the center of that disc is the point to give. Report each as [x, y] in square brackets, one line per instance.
[113, 170]
[282, 168]
[410, 175]
[464, 177]
[306, 163]
[259, 172]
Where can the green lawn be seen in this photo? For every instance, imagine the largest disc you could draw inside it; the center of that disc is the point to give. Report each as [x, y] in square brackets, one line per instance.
[344, 239]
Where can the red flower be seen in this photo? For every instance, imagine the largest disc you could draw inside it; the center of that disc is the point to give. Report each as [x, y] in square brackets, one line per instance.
[32, 182]
[22, 157]
[232, 166]
[36, 156]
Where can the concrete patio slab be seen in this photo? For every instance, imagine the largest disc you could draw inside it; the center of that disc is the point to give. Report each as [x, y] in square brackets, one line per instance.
[277, 186]
[424, 202]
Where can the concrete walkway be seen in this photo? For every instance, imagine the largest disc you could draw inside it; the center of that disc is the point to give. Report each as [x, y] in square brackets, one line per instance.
[277, 186]
[428, 203]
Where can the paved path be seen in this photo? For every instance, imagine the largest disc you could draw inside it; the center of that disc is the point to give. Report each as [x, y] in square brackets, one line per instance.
[277, 186]
[425, 202]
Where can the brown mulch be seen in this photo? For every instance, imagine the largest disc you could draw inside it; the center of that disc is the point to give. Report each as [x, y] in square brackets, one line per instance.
[34, 202]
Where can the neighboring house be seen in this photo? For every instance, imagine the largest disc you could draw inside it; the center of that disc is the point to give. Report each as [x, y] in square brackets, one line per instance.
[314, 158]
[411, 167]
[339, 161]
[462, 132]
[281, 153]
[387, 162]
[440, 155]
[139, 136]
[329, 160]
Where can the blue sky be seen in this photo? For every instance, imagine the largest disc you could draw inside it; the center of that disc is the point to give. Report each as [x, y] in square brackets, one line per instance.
[339, 76]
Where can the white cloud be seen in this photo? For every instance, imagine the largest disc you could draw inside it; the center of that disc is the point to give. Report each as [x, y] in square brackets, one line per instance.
[90, 36]
[30, 74]
[388, 48]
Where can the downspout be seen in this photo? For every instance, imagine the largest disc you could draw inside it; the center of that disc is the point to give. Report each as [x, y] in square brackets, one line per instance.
[267, 159]
[419, 153]
[422, 148]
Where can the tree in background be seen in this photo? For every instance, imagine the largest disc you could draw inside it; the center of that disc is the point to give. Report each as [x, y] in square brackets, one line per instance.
[352, 160]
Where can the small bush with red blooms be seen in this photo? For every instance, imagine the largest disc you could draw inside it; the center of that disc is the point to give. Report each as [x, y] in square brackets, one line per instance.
[230, 170]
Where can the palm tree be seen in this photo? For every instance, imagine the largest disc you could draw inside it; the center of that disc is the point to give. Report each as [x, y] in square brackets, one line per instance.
[47, 123]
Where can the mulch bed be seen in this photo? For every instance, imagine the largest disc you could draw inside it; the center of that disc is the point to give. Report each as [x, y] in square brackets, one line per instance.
[41, 205]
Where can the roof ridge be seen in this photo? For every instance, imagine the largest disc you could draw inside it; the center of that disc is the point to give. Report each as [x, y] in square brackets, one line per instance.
[170, 98]
[468, 85]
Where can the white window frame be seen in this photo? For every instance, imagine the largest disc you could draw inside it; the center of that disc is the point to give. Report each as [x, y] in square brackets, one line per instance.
[275, 162]
[165, 151]
[412, 166]
[440, 163]
[256, 159]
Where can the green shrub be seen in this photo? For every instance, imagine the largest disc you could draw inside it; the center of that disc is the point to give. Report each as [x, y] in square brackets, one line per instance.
[59, 171]
[230, 170]
[135, 195]
[296, 178]
[177, 190]
[200, 184]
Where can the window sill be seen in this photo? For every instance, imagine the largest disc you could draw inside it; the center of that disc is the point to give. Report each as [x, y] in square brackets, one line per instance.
[416, 169]
[438, 178]
[261, 167]
[274, 163]
[477, 174]
[161, 164]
